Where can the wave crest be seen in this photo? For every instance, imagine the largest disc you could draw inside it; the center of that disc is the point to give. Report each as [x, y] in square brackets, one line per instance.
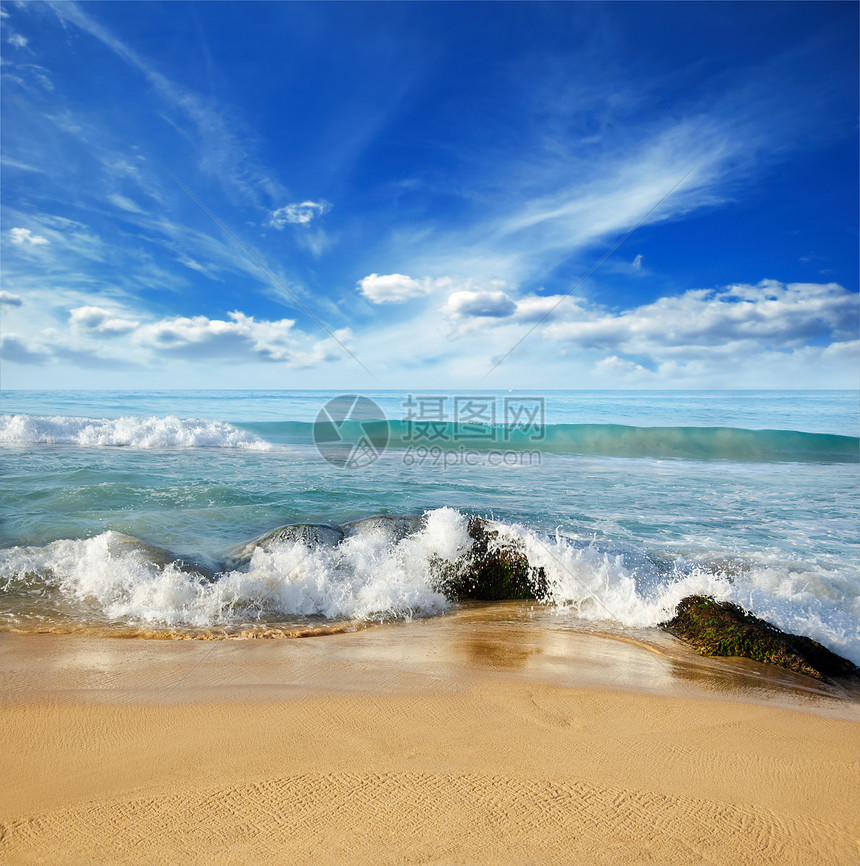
[134, 432]
[383, 569]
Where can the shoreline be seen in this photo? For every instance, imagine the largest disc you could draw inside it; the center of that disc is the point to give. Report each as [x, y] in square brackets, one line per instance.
[481, 738]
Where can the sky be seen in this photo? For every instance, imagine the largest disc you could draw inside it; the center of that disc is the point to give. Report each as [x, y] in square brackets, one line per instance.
[429, 195]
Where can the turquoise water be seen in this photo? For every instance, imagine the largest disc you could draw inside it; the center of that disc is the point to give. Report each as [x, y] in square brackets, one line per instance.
[629, 500]
[809, 411]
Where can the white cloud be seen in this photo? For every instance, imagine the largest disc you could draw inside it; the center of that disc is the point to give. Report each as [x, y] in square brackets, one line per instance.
[101, 321]
[613, 368]
[299, 213]
[636, 264]
[236, 339]
[16, 40]
[574, 203]
[21, 166]
[10, 300]
[200, 337]
[322, 351]
[13, 348]
[496, 305]
[393, 288]
[720, 322]
[317, 242]
[125, 203]
[25, 236]
[535, 308]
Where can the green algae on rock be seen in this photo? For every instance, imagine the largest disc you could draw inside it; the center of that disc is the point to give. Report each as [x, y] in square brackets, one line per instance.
[493, 570]
[724, 629]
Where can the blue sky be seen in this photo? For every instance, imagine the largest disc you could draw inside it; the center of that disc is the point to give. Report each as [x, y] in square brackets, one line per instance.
[327, 195]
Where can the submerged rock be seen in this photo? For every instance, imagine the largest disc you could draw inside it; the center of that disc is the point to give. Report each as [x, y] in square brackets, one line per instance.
[158, 556]
[495, 569]
[310, 534]
[393, 528]
[724, 629]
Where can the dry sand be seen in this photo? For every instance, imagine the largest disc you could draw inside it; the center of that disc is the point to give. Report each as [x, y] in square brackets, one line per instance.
[477, 738]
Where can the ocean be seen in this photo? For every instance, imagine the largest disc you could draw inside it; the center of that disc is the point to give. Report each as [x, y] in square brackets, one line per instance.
[132, 513]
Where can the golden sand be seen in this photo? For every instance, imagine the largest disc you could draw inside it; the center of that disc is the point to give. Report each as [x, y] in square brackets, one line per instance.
[482, 737]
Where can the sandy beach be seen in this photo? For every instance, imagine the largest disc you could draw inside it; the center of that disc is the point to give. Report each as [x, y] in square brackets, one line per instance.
[481, 737]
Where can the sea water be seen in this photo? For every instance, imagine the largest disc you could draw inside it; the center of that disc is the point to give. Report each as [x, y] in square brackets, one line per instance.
[123, 512]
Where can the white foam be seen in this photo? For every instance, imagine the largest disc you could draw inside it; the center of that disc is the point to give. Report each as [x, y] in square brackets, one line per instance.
[370, 577]
[801, 598]
[131, 431]
[365, 577]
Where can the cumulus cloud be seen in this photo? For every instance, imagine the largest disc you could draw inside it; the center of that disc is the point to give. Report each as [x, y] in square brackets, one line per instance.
[10, 300]
[477, 303]
[13, 348]
[236, 338]
[710, 322]
[25, 236]
[100, 321]
[322, 351]
[494, 305]
[299, 213]
[199, 337]
[393, 288]
[535, 308]
[614, 368]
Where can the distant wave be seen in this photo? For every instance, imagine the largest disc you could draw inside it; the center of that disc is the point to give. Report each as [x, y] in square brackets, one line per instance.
[602, 440]
[133, 432]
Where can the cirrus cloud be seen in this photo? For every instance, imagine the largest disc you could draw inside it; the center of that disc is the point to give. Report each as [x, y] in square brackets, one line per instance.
[21, 236]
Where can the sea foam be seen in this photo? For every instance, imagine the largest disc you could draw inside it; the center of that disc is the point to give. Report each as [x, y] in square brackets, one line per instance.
[366, 577]
[129, 431]
[635, 589]
[372, 576]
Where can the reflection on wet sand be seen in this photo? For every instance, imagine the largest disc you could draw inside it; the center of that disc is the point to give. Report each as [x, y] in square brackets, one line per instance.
[498, 655]
[444, 654]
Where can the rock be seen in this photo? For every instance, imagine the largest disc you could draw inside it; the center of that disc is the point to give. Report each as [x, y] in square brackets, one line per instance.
[310, 534]
[392, 528]
[493, 570]
[159, 556]
[724, 629]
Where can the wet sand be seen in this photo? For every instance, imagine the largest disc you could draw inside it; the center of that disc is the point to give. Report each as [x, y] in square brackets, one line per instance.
[497, 734]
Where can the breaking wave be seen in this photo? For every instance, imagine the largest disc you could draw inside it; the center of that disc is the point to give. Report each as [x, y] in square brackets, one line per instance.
[601, 440]
[382, 569]
[132, 432]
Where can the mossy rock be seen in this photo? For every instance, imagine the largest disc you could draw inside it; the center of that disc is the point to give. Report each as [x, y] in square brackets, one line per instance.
[493, 570]
[724, 629]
